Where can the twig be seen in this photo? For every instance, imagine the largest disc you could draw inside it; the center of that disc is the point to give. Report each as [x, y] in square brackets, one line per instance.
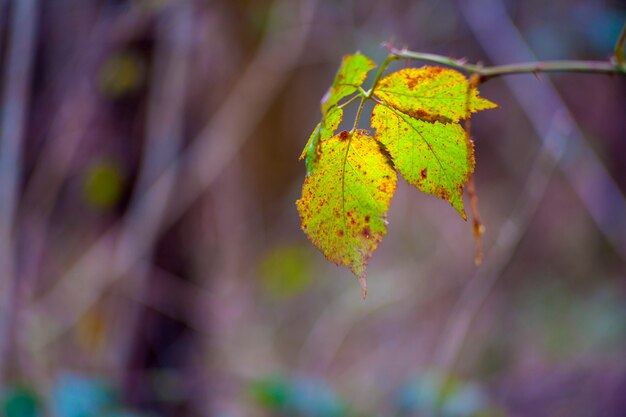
[477, 225]
[485, 73]
[541, 101]
[543, 119]
[15, 102]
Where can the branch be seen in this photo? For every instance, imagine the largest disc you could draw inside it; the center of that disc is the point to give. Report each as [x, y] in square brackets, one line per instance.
[204, 160]
[619, 47]
[571, 159]
[508, 238]
[15, 104]
[164, 139]
[590, 67]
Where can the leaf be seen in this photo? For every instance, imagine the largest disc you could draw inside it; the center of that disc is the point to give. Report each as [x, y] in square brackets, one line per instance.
[351, 177]
[431, 94]
[351, 74]
[345, 200]
[323, 131]
[434, 157]
[417, 121]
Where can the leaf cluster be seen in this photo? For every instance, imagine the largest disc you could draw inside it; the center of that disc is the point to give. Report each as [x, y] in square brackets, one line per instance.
[352, 175]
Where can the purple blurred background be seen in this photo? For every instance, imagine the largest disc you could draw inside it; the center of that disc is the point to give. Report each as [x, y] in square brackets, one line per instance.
[151, 254]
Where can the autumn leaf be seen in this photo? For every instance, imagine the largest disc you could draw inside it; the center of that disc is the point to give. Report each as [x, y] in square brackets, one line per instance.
[351, 177]
[351, 75]
[345, 199]
[417, 121]
[430, 94]
[323, 131]
[434, 157]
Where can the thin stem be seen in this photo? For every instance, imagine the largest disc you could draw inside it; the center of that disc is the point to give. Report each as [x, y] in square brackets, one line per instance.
[368, 94]
[553, 66]
[341, 106]
[358, 115]
[390, 58]
[619, 47]
[477, 224]
[485, 73]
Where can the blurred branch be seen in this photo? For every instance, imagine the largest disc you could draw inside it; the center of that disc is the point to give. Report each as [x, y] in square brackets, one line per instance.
[3, 24]
[588, 176]
[80, 103]
[561, 124]
[619, 47]
[502, 251]
[163, 142]
[70, 121]
[212, 150]
[15, 102]
[169, 286]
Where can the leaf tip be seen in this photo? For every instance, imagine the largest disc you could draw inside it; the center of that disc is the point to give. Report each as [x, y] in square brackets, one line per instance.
[456, 201]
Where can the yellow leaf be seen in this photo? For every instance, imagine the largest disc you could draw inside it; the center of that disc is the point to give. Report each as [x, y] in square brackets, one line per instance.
[345, 199]
[430, 94]
[351, 74]
[417, 120]
[434, 157]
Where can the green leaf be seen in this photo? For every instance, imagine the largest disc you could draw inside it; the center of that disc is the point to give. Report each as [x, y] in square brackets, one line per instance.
[323, 131]
[351, 177]
[436, 157]
[351, 74]
[345, 200]
[431, 94]
[417, 121]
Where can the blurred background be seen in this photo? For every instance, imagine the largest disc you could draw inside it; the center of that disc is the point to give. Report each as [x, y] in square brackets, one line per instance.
[152, 262]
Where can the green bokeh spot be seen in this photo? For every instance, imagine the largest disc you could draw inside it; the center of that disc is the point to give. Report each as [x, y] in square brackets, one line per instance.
[271, 392]
[285, 272]
[20, 402]
[103, 184]
[121, 74]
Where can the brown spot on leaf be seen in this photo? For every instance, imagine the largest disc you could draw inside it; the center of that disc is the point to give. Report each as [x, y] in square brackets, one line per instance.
[340, 233]
[442, 193]
[424, 173]
[412, 80]
[344, 135]
[367, 219]
[366, 232]
[429, 117]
